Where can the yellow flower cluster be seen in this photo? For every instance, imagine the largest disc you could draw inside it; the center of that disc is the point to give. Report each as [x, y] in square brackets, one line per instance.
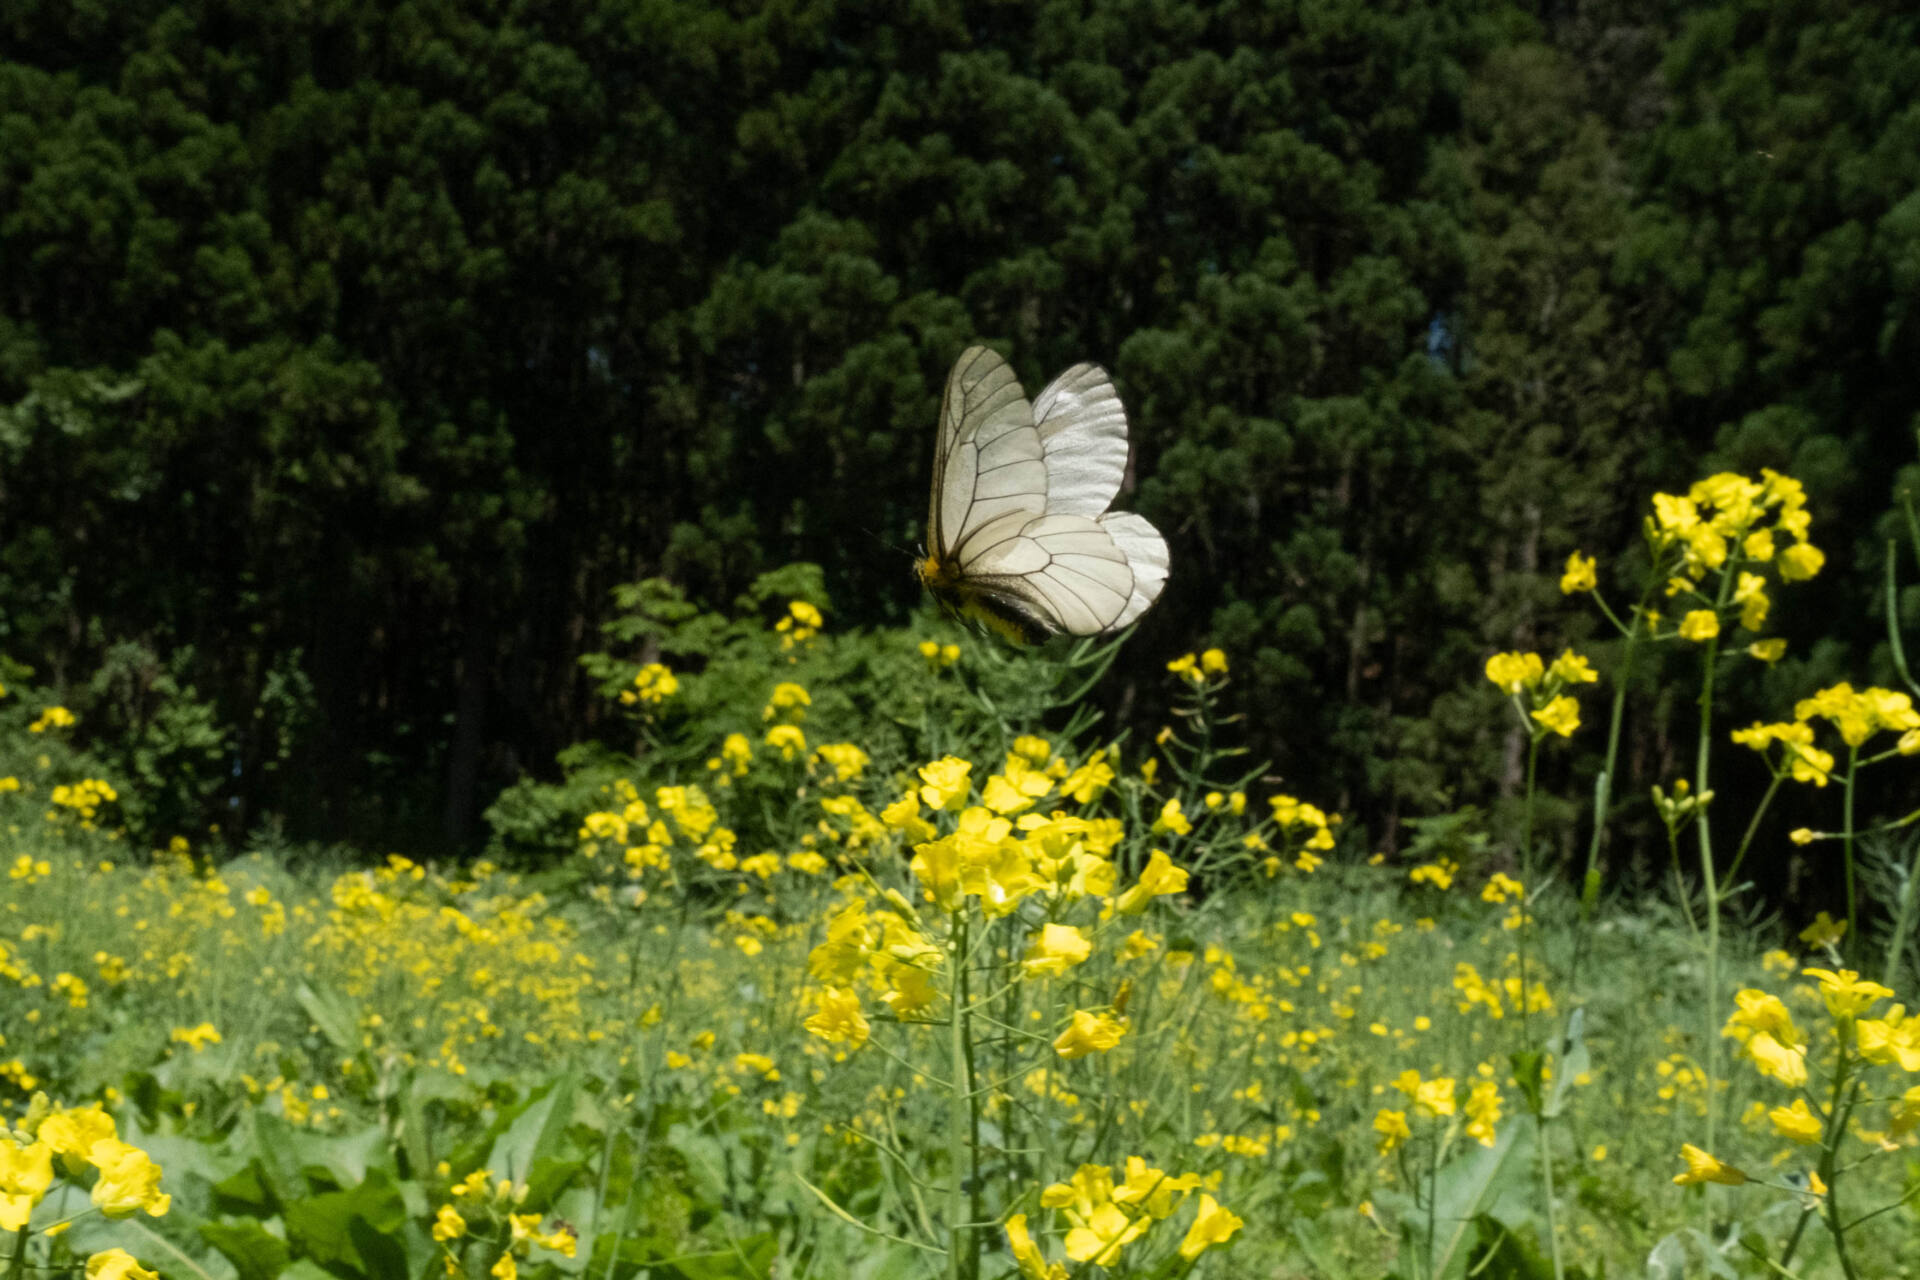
[1524, 676]
[883, 950]
[492, 1202]
[125, 1180]
[801, 623]
[1308, 823]
[1721, 525]
[1860, 715]
[85, 798]
[1778, 1049]
[787, 703]
[52, 718]
[1104, 1218]
[1200, 669]
[687, 821]
[939, 656]
[653, 684]
[1857, 714]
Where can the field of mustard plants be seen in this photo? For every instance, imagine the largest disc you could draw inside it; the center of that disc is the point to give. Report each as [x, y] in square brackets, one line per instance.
[851, 967]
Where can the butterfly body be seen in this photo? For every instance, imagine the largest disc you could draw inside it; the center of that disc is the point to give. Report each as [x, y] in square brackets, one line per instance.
[1019, 534]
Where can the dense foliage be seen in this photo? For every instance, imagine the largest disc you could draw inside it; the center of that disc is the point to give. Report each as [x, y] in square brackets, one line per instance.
[352, 354]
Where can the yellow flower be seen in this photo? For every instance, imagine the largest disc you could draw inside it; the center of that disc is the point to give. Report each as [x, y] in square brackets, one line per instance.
[1571, 668]
[1483, 1112]
[1800, 562]
[1515, 672]
[505, 1269]
[1579, 575]
[1699, 625]
[1825, 931]
[1846, 993]
[196, 1038]
[73, 1132]
[1086, 784]
[448, 1224]
[117, 1264]
[1561, 716]
[1796, 1123]
[1768, 651]
[947, 783]
[1434, 1097]
[788, 740]
[1702, 1167]
[1153, 1190]
[1213, 662]
[846, 760]
[129, 1180]
[1392, 1128]
[1801, 835]
[1212, 1225]
[1089, 1032]
[1894, 1038]
[1027, 1255]
[25, 1174]
[1172, 819]
[1157, 879]
[1785, 1063]
[1187, 667]
[1057, 949]
[839, 1019]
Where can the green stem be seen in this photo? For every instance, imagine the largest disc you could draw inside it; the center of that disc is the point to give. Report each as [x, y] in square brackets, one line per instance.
[1546, 1172]
[1836, 1129]
[1852, 941]
[960, 1113]
[18, 1267]
[1753, 825]
[1527, 889]
[1710, 884]
[1603, 797]
[1902, 922]
[1526, 1004]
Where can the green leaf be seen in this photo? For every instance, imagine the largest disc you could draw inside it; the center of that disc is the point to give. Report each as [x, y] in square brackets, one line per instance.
[537, 1134]
[355, 1228]
[255, 1253]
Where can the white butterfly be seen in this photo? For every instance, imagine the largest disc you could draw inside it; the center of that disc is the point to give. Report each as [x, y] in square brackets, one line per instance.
[1018, 531]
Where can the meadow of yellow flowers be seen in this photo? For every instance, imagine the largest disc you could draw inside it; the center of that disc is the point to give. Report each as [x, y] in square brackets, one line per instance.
[866, 1002]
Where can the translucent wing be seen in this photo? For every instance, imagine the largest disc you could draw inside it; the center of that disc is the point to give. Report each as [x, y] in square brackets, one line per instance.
[1146, 553]
[988, 462]
[1066, 570]
[1083, 430]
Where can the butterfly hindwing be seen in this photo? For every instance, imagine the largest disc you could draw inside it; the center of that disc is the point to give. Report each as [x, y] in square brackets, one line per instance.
[1146, 553]
[1067, 569]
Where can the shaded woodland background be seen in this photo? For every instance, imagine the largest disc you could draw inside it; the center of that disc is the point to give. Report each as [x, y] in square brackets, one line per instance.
[351, 353]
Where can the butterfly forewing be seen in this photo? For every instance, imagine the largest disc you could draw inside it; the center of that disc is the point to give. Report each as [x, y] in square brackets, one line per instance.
[1083, 432]
[989, 463]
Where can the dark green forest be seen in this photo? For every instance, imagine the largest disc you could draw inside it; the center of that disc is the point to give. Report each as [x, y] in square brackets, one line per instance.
[351, 354]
